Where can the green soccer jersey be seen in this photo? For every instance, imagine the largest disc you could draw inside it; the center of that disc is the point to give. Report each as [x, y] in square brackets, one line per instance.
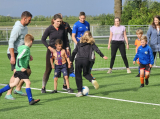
[23, 57]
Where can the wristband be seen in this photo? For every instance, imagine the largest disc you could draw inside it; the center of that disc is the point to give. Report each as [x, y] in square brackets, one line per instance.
[67, 48]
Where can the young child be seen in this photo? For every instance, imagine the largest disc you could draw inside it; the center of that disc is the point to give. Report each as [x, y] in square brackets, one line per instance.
[22, 63]
[137, 43]
[84, 52]
[146, 59]
[59, 56]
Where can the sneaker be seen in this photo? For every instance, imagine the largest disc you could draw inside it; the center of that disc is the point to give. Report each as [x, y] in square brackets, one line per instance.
[79, 94]
[0, 94]
[34, 101]
[128, 71]
[9, 97]
[142, 85]
[19, 92]
[93, 77]
[109, 71]
[138, 75]
[95, 84]
[72, 75]
[64, 87]
[146, 81]
[54, 91]
[43, 90]
[70, 90]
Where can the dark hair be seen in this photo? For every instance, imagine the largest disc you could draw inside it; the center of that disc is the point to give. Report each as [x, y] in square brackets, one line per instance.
[82, 13]
[117, 18]
[56, 16]
[153, 24]
[59, 41]
[26, 14]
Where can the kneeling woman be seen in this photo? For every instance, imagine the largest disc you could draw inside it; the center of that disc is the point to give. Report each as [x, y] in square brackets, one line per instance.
[85, 54]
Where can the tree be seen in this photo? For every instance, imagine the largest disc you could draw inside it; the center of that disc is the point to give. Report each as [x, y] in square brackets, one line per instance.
[118, 8]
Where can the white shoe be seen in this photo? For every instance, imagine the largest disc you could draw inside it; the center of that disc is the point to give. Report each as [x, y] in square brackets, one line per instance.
[109, 71]
[95, 84]
[128, 71]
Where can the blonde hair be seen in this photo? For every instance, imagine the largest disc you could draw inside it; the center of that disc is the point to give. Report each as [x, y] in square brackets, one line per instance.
[28, 38]
[87, 38]
[139, 31]
[143, 38]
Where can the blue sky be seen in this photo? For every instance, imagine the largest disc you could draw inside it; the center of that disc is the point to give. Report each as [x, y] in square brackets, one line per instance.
[51, 7]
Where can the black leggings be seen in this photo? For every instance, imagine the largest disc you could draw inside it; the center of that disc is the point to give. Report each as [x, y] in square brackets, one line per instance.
[114, 47]
[80, 65]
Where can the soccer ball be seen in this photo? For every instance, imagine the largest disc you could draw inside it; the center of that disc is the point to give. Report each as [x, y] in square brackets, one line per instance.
[85, 90]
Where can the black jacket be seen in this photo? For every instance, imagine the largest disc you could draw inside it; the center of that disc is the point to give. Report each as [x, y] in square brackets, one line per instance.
[85, 51]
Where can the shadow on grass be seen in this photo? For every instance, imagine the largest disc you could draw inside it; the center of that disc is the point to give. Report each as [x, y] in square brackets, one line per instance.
[11, 108]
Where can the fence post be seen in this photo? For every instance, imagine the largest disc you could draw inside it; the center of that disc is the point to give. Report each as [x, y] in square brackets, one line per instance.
[92, 30]
[6, 34]
[42, 31]
[129, 31]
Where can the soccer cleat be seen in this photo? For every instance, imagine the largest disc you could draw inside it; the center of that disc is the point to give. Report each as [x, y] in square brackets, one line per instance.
[72, 75]
[95, 84]
[146, 81]
[128, 71]
[43, 90]
[142, 85]
[34, 101]
[9, 97]
[70, 90]
[0, 94]
[79, 94]
[109, 71]
[54, 91]
[138, 75]
[19, 92]
[64, 87]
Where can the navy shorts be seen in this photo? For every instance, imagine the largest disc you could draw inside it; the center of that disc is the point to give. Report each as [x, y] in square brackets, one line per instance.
[13, 65]
[59, 69]
[21, 75]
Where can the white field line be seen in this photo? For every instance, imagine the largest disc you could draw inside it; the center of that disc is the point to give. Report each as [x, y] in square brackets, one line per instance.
[122, 100]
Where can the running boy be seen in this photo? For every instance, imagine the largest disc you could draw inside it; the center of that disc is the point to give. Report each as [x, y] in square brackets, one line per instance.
[146, 59]
[59, 56]
[22, 63]
[85, 54]
[137, 43]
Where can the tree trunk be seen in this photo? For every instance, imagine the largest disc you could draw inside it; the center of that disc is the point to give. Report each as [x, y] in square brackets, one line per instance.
[118, 8]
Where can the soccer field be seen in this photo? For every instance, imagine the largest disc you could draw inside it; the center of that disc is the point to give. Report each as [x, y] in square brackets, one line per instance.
[119, 95]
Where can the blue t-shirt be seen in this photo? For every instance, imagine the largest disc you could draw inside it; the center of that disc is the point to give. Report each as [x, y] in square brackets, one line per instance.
[79, 29]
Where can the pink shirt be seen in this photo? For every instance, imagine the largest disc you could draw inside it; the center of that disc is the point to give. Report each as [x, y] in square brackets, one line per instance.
[118, 33]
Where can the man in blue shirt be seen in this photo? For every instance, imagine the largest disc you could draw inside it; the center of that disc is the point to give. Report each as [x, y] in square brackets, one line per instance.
[80, 27]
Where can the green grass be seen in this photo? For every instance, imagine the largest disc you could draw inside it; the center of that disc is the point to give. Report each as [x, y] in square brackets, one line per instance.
[119, 85]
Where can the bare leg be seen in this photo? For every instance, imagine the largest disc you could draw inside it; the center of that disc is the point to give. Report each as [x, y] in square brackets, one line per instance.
[67, 81]
[55, 83]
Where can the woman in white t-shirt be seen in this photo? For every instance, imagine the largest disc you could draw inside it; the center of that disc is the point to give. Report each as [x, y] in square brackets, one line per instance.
[117, 36]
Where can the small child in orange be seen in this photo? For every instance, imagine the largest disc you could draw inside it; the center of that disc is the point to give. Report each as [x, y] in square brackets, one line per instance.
[59, 56]
[137, 43]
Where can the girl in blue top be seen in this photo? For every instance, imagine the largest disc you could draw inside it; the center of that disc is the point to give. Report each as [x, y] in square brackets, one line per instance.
[145, 55]
[153, 35]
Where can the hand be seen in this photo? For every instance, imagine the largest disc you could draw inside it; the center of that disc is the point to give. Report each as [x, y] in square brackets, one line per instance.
[51, 49]
[12, 60]
[150, 65]
[52, 66]
[31, 58]
[69, 66]
[108, 46]
[105, 57]
[133, 62]
[70, 62]
[127, 47]
[23, 69]
[68, 52]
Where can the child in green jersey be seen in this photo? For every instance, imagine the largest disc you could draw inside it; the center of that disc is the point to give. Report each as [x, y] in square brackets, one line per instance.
[22, 63]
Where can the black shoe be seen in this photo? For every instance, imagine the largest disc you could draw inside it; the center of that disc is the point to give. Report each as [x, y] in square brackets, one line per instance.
[142, 85]
[146, 81]
[54, 91]
[43, 90]
[138, 75]
[0, 94]
[64, 87]
[70, 90]
[34, 101]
